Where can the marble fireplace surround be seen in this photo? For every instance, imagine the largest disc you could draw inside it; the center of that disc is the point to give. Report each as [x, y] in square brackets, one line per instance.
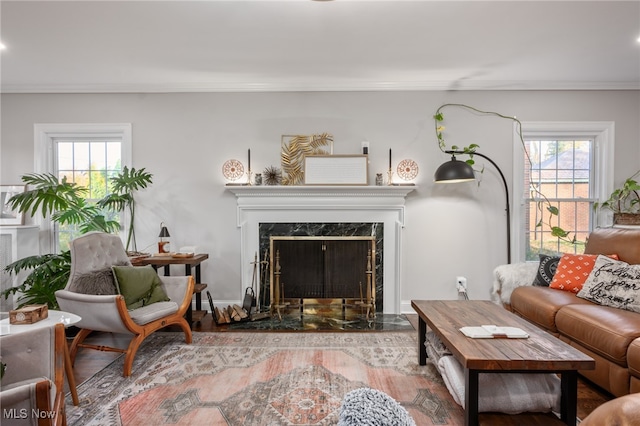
[326, 204]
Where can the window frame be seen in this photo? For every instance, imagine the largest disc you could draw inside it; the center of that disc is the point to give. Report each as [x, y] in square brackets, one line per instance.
[45, 135]
[603, 134]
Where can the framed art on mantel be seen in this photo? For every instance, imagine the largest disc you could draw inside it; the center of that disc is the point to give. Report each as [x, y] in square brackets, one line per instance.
[8, 215]
[336, 170]
[295, 148]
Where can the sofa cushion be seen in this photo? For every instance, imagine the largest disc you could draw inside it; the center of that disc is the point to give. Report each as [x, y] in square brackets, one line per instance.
[622, 411]
[546, 270]
[152, 312]
[604, 330]
[573, 270]
[613, 283]
[623, 242]
[633, 358]
[540, 305]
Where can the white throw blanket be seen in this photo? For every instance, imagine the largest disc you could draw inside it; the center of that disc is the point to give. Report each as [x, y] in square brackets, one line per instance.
[509, 277]
[435, 349]
[504, 393]
[499, 392]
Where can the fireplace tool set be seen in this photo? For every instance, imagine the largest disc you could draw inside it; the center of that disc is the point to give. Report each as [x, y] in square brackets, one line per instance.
[277, 301]
[236, 313]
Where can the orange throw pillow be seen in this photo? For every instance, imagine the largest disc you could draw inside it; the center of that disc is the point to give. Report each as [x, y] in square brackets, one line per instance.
[573, 270]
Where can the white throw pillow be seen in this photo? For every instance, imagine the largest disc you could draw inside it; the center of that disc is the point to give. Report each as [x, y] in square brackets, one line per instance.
[510, 393]
[613, 283]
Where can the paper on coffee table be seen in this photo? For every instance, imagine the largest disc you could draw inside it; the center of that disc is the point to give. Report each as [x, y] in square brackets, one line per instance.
[494, 332]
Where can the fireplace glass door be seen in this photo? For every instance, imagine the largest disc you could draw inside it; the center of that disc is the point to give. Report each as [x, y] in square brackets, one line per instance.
[323, 267]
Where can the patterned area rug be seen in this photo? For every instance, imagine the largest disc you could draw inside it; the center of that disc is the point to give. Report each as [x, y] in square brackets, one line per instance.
[262, 378]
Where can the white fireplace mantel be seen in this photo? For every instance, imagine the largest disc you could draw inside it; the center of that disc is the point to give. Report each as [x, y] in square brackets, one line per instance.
[326, 204]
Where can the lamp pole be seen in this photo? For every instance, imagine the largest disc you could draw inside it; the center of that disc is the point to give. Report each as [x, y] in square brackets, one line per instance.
[506, 192]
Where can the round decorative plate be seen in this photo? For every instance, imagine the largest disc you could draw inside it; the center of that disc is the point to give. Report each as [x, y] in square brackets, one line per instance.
[232, 169]
[407, 169]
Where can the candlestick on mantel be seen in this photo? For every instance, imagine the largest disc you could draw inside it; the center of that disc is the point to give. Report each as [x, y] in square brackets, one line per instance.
[249, 166]
[390, 171]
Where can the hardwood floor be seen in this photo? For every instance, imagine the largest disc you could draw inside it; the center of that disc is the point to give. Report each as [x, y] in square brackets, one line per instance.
[89, 362]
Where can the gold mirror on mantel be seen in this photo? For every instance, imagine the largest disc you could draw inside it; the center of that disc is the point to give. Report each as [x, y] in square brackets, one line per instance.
[295, 148]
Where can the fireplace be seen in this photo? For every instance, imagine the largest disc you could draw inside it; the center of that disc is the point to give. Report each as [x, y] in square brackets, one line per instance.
[321, 267]
[371, 211]
[330, 259]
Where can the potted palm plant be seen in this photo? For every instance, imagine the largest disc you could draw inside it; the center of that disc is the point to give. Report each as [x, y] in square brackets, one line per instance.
[66, 203]
[123, 185]
[624, 202]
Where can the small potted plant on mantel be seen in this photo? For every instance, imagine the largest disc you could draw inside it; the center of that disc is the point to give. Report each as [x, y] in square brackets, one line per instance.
[624, 202]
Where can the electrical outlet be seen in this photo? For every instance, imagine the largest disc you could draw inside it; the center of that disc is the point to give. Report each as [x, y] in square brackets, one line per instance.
[461, 284]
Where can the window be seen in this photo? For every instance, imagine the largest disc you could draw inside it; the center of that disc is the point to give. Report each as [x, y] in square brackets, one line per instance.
[90, 163]
[562, 171]
[87, 154]
[569, 164]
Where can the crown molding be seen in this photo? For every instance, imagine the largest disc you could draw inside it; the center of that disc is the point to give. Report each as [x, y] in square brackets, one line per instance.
[326, 86]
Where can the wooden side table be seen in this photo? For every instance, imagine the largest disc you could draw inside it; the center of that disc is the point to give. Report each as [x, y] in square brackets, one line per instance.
[188, 262]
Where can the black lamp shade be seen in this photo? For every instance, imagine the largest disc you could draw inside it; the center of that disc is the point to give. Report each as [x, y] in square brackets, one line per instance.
[164, 232]
[454, 171]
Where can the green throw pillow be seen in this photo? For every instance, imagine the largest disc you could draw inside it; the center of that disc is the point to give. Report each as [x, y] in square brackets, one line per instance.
[139, 285]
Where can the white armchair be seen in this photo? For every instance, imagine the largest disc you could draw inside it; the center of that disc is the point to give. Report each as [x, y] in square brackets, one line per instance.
[90, 294]
[33, 382]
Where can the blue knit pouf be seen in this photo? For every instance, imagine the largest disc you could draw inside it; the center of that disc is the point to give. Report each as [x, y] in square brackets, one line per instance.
[371, 407]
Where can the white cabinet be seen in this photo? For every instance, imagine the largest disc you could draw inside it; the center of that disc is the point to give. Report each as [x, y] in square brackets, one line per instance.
[16, 242]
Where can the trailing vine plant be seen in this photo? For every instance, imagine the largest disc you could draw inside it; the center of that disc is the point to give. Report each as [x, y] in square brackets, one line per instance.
[542, 202]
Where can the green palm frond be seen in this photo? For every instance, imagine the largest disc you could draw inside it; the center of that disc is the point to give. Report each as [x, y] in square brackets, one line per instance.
[49, 273]
[100, 223]
[76, 214]
[128, 181]
[48, 195]
[115, 202]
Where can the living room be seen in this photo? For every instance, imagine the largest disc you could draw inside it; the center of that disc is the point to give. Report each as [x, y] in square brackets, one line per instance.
[201, 83]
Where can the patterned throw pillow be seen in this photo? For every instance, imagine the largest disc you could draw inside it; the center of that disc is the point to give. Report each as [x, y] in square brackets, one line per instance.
[546, 270]
[613, 283]
[98, 282]
[573, 270]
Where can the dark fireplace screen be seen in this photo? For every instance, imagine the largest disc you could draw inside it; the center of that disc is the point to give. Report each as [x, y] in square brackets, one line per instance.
[327, 265]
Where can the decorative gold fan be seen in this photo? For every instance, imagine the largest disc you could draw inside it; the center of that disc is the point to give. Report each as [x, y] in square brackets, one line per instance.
[407, 169]
[232, 169]
[296, 149]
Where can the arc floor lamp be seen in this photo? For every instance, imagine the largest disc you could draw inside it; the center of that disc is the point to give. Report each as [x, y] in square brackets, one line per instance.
[459, 171]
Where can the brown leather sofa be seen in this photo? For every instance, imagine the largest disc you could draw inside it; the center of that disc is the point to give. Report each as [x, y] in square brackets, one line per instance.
[623, 411]
[610, 336]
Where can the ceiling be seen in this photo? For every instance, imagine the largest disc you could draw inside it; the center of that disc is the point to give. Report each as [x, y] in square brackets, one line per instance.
[302, 45]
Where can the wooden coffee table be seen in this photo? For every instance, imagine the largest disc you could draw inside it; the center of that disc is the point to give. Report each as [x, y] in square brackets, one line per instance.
[540, 353]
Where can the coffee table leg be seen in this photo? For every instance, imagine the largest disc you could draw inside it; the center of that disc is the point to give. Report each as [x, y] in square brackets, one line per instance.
[569, 397]
[471, 397]
[422, 339]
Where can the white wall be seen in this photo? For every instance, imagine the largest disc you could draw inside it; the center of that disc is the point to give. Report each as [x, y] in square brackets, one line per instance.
[183, 139]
